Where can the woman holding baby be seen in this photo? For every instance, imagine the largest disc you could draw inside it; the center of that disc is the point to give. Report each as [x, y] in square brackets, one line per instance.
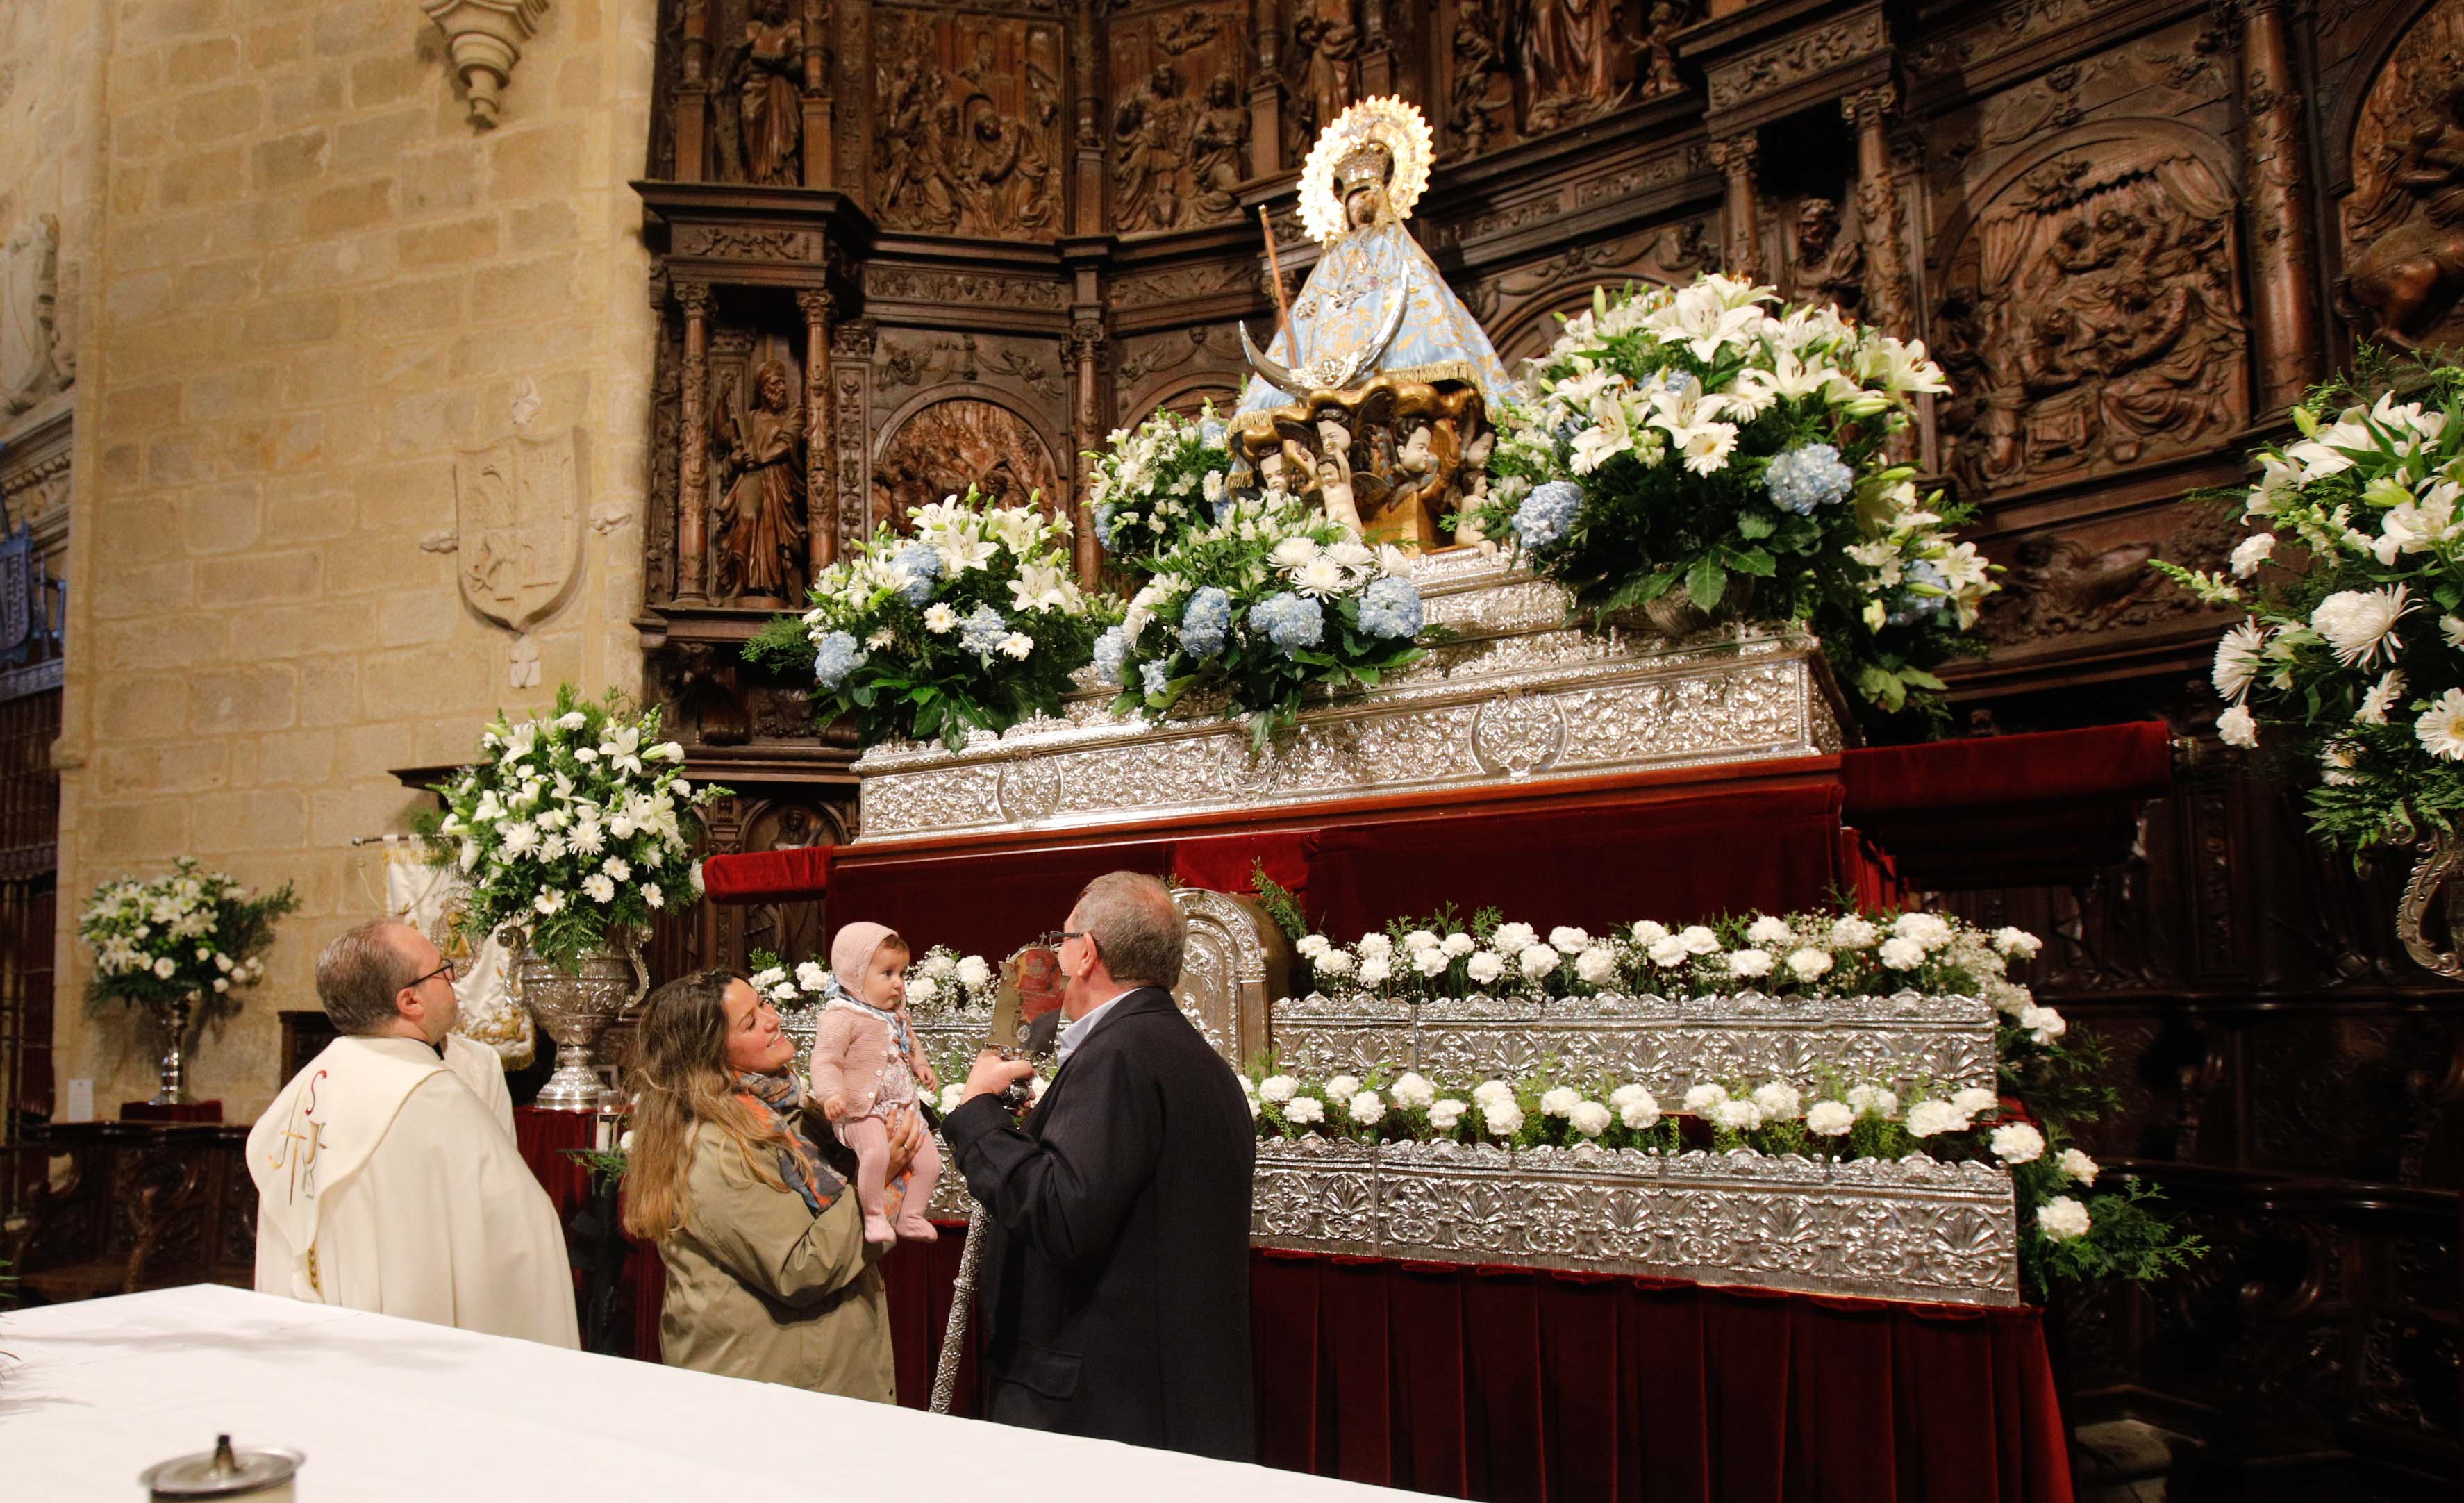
[740, 1180]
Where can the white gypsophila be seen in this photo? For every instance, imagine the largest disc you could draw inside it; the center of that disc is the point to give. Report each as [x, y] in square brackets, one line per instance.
[1484, 967]
[1875, 1100]
[1342, 1086]
[1513, 939]
[1411, 1091]
[1595, 966]
[1849, 932]
[2017, 1144]
[2044, 1025]
[1375, 971]
[1830, 1119]
[1700, 1099]
[2017, 943]
[1975, 1099]
[1778, 1102]
[1278, 1088]
[1457, 945]
[1504, 1119]
[2081, 1168]
[1809, 964]
[1445, 1112]
[1367, 1108]
[1698, 940]
[1737, 1116]
[2062, 1219]
[1305, 1109]
[1669, 952]
[1537, 960]
[1749, 963]
[1768, 932]
[1569, 940]
[1925, 929]
[1558, 1100]
[1927, 1118]
[1901, 955]
[1589, 1119]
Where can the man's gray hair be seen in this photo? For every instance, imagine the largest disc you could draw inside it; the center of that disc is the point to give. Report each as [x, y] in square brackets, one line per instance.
[358, 975]
[1136, 928]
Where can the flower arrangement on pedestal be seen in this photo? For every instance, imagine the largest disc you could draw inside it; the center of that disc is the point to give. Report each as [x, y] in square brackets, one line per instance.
[973, 622]
[1151, 487]
[574, 830]
[2045, 1073]
[2351, 659]
[1261, 605]
[173, 946]
[1690, 453]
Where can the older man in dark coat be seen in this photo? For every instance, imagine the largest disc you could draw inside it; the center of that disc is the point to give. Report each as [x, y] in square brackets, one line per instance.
[1117, 1269]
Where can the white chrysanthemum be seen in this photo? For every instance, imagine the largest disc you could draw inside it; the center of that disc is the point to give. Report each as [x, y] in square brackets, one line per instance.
[1412, 1090]
[1444, 1113]
[2381, 697]
[1809, 964]
[2237, 727]
[2081, 1168]
[2441, 727]
[2017, 1144]
[1367, 1108]
[2062, 1217]
[1927, 1118]
[1513, 939]
[1484, 967]
[2240, 653]
[1597, 967]
[1830, 1119]
[1701, 1100]
[1305, 1109]
[1778, 1102]
[1738, 1116]
[1875, 1100]
[1769, 932]
[1589, 1119]
[2361, 624]
[1278, 1088]
[1558, 1100]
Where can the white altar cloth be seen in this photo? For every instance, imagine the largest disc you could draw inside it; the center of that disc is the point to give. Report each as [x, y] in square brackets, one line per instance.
[389, 1409]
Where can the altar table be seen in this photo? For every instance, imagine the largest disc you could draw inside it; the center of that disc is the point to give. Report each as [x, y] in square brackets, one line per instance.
[391, 1409]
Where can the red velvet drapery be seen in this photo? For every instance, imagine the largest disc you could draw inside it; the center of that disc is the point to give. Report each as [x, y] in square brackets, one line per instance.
[1519, 1387]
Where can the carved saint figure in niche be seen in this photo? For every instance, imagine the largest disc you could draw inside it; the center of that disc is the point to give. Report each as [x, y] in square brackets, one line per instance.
[765, 68]
[2410, 268]
[1657, 60]
[2093, 319]
[1150, 143]
[757, 456]
[1219, 148]
[1326, 43]
[1564, 51]
[1480, 58]
[1826, 269]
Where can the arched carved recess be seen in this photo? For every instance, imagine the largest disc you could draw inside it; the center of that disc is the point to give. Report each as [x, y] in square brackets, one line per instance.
[1517, 306]
[1236, 965]
[2404, 137]
[795, 929]
[2092, 316]
[967, 137]
[1177, 369]
[941, 441]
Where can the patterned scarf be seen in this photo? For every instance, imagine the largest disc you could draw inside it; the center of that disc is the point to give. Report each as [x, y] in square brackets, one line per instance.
[776, 1098]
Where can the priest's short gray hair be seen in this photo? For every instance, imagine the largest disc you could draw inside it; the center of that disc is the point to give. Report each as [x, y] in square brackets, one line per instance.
[358, 975]
[1136, 928]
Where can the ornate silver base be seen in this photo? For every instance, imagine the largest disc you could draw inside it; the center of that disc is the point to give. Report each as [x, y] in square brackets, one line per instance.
[574, 1008]
[1516, 695]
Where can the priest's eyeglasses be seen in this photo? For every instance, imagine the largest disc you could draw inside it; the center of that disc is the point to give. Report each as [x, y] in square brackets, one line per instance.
[444, 970]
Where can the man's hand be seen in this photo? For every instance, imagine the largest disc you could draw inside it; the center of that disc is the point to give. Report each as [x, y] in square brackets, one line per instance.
[906, 1142]
[994, 1074]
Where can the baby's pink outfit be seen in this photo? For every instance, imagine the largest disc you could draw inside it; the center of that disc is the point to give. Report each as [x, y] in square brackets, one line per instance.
[867, 1055]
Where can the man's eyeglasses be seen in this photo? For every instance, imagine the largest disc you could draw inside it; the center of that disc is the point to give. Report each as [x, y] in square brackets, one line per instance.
[444, 970]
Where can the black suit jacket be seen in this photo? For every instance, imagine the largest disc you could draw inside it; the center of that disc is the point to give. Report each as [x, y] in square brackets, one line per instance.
[1118, 1267]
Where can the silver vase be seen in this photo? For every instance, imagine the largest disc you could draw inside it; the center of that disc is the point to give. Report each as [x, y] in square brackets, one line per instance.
[575, 1007]
[171, 1069]
[2436, 883]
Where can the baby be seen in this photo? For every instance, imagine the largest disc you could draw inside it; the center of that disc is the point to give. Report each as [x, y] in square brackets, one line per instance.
[867, 1072]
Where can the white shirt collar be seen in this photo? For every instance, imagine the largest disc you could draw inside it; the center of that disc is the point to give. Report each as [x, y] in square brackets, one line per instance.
[1076, 1033]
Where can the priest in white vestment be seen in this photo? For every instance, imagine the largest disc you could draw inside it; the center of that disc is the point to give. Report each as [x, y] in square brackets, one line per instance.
[386, 1174]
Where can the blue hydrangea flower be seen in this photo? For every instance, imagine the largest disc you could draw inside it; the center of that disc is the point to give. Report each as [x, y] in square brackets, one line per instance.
[1291, 622]
[1110, 649]
[1204, 625]
[835, 657]
[1913, 606]
[1807, 477]
[918, 565]
[981, 632]
[1155, 677]
[1545, 516]
[1392, 607]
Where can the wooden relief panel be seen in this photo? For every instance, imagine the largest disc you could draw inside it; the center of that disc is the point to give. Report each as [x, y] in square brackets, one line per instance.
[756, 90]
[1523, 309]
[967, 137]
[2092, 576]
[1514, 69]
[2091, 317]
[946, 446]
[2404, 223]
[1180, 370]
[1178, 145]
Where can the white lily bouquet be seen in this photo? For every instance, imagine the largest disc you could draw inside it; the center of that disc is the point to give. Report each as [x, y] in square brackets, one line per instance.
[573, 828]
[1263, 605]
[180, 939]
[974, 621]
[1693, 448]
[1151, 487]
[2351, 657]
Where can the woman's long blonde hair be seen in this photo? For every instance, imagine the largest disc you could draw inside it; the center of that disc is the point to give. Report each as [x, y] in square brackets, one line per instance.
[681, 1078]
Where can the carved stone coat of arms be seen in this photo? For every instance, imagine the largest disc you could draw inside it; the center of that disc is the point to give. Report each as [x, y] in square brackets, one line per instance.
[517, 510]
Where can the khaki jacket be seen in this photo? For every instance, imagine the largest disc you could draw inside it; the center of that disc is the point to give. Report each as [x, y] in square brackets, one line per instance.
[760, 1287]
